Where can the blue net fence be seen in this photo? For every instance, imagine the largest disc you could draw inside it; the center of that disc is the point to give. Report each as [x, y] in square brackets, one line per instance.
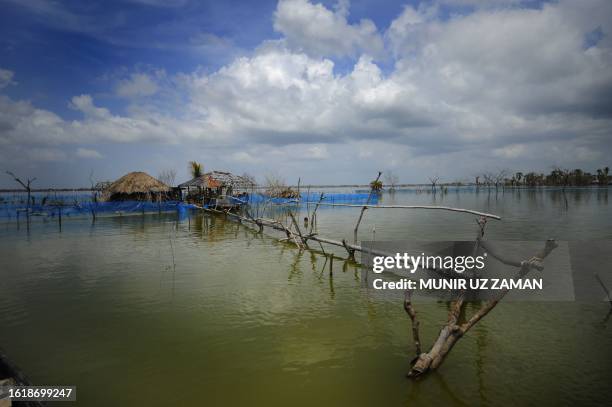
[344, 198]
[86, 209]
[14, 205]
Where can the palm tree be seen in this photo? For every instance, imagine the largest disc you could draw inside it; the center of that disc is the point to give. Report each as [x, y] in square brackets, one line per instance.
[196, 169]
[376, 185]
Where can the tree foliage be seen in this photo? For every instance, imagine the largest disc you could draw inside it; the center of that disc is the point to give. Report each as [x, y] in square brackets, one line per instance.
[196, 169]
[376, 185]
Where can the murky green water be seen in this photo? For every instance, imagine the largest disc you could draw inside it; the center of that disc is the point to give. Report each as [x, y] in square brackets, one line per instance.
[242, 319]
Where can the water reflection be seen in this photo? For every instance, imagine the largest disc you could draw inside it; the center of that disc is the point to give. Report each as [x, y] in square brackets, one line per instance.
[239, 317]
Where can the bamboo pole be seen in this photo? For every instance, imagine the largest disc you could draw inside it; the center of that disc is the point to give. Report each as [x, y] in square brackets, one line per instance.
[364, 207]
[433, 207]
[314, 213]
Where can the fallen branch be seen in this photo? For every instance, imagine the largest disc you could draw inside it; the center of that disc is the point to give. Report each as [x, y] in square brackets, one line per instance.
[451, 332]
[604, 288]
[443, 208]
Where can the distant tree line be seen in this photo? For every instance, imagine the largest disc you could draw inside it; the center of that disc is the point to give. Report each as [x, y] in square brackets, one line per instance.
[560, 177]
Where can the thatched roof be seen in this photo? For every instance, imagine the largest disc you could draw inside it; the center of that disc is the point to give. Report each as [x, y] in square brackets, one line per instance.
[137, 182]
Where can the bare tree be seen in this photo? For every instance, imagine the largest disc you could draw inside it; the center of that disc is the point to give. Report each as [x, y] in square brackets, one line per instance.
[27, 185]
[499, 177]
[391, 179]
[489, 178]
[168, 176]
[434, 181]
[494, 178]
[94, 195]
[458, 323]
[249, 178]
[277, 188]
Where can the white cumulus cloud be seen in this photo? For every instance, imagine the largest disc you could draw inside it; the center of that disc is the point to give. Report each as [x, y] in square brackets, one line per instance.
[87, 153]
[137, 85]
[317, 30]
[6, 78]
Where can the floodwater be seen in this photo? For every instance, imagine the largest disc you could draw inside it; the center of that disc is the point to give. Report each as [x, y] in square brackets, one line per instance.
[153, 310]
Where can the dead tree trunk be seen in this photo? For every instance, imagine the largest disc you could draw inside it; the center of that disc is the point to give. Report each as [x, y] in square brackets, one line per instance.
[452, 331]
[28, 187]
[364, 208]
[313, 217]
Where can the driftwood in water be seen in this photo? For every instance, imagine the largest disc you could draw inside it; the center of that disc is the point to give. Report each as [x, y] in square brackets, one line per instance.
[9, 370]
[452, 331]
[292, 237]
[603, 286]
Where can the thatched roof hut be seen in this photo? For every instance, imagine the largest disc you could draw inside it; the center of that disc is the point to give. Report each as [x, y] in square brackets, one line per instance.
[136, 186]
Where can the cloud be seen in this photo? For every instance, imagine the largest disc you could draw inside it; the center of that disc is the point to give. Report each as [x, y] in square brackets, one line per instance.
[84, 103]
[317, 152]
[21, 123]
[484, 3]
[138, 85]
[245, 157]
[508, 86]
[316, 30]
[161, 3]
[511, 151]
[87, 153]
[46, 154]
[6, 78]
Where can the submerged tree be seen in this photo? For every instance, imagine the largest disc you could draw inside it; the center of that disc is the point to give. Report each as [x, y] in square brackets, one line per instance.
[196, 169]
[391, 179]
[434, 181]
[518, 177]
[602, 176]
[94, 195]
[458, 323]
[499, 178]
[27, 185]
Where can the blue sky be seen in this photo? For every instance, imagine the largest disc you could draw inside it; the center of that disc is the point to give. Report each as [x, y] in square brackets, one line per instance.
[330, 92]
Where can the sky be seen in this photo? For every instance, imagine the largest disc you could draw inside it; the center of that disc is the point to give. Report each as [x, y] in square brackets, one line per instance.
[328, 92]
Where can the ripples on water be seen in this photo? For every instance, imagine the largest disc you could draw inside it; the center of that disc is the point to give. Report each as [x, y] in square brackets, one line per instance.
[245, 319]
